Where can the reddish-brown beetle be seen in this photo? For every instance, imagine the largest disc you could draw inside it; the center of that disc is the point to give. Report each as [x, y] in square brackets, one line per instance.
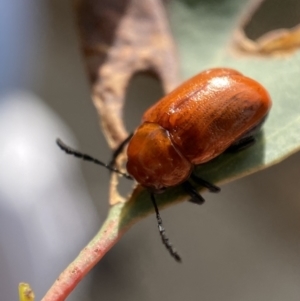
[194, 124]
[217, 110]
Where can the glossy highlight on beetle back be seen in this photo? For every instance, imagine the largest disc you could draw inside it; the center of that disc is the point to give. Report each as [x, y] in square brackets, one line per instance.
[200, 120]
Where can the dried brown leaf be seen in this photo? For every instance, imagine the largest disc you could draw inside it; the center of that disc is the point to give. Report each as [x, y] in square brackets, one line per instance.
[276, 42]
[119, 39]
[282, 41]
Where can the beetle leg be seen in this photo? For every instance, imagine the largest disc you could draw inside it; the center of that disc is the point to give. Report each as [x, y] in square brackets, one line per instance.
[162, 232]
[191, 190]
[211, 187]
[118, 150]
[242, 144]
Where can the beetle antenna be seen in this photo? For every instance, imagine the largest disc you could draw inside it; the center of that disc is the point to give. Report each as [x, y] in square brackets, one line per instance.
[162, 232]
[71, 151]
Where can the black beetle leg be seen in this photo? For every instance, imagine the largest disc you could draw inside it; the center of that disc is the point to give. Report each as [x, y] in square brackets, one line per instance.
[195, 196]
[211, 187]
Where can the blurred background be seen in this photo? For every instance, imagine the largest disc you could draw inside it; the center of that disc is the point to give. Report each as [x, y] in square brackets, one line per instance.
[243, 244]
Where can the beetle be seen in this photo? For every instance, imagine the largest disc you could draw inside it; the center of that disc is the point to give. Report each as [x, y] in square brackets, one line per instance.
[215, 111]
